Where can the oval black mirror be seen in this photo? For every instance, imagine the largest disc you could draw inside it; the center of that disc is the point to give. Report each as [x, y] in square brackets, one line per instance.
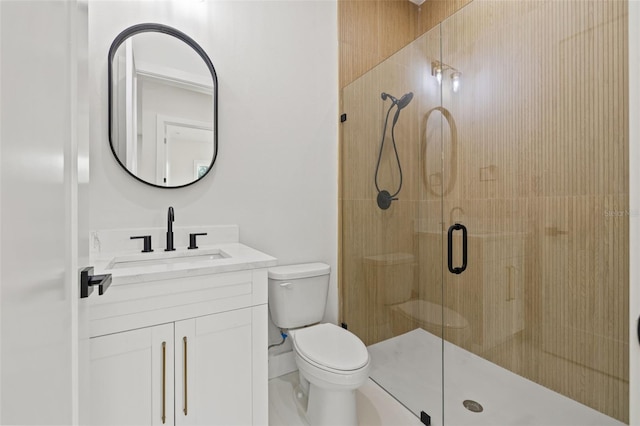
[163, 106]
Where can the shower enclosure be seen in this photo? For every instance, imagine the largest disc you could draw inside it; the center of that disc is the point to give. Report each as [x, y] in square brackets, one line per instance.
[494, 288]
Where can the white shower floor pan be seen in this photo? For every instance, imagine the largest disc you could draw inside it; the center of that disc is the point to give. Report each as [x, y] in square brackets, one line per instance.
[409, 367]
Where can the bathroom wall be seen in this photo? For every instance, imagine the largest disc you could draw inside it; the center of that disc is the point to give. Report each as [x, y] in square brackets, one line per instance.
[373, 30]
[276, 172]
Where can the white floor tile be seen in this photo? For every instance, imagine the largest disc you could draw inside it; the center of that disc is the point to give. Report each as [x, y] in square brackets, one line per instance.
[375, 406]
[410, 367]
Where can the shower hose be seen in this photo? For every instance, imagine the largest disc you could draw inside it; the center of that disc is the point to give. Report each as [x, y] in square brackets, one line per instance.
[384, 197]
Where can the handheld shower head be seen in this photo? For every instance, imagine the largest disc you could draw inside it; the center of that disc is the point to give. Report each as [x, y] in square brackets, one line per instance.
[404, 100]
[401, 103]
[385, 197]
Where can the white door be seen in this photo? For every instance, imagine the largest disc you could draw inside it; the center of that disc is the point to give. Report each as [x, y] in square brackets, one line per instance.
[132, 377]
[43, 131]
[217, 387]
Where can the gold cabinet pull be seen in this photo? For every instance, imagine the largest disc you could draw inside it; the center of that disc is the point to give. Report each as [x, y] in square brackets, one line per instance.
[184, 342]
[164, 382]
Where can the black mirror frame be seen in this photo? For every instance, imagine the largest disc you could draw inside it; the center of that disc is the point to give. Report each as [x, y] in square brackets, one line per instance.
[160, 28]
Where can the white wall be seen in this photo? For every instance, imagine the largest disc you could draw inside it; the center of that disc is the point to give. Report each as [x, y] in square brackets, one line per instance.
[276, 172]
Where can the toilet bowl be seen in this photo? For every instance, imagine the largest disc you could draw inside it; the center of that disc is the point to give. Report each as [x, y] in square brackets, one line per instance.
[332, 362]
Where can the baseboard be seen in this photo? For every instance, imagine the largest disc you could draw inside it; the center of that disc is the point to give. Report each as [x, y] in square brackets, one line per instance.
[281, 364]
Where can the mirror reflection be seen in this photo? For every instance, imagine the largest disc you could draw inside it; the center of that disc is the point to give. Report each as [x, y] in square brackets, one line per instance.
[163, 101]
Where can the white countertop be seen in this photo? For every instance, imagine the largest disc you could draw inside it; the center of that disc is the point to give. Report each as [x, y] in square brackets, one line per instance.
[240, 257]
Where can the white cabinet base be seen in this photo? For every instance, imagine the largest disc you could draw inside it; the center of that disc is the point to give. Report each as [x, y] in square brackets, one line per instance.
[217, 387]
[207, 369]
[126, 375]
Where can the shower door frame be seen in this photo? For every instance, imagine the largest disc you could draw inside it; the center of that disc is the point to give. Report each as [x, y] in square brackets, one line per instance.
[634, 206]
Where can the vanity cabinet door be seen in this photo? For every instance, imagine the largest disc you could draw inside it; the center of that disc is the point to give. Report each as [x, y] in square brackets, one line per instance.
[132, 377]
[213, 369]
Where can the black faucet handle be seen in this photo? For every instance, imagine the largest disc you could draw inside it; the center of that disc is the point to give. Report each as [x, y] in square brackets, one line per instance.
[146, 242]
[192, 240]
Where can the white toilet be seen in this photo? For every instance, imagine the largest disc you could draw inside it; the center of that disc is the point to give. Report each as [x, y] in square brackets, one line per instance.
[332, 361]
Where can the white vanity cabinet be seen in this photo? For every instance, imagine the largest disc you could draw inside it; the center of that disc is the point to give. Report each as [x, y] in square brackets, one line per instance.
[214, 379]
[127, 371]
[188, 351]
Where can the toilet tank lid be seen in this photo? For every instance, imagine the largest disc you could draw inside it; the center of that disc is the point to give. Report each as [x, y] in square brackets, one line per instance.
[302, 270]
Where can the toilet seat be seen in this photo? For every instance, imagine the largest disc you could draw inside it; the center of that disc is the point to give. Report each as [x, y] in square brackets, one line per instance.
[331, 348]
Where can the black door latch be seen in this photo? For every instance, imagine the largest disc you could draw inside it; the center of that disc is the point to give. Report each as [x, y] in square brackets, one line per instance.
[88, 281]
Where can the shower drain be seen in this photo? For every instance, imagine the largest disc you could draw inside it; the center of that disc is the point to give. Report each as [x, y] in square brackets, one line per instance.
[472, 406]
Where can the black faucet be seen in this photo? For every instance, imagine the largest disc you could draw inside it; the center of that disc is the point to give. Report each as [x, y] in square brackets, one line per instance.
[170, 220]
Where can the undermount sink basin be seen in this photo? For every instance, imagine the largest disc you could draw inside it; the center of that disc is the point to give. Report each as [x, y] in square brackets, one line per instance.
[168, 258]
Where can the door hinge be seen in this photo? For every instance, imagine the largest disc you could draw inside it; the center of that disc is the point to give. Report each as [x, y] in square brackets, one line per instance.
[343, 118]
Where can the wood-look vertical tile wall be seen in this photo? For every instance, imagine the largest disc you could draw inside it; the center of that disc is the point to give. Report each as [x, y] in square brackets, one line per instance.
[537, 171]
[370, 31]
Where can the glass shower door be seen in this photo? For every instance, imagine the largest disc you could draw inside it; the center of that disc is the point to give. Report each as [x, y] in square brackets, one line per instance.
[513, 150]
[536, 323]
[391, 255]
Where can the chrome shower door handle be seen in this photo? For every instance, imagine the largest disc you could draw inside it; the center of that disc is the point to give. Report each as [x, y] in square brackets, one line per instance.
[452, 228]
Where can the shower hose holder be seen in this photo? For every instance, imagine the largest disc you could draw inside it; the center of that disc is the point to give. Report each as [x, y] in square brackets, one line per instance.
[384, 199]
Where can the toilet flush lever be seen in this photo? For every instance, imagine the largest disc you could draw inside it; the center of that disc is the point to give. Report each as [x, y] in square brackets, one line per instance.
[285, 285]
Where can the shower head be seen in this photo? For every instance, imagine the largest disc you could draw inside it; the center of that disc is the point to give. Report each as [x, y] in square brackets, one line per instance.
[404, 100]
[384, 197]
[401, 103]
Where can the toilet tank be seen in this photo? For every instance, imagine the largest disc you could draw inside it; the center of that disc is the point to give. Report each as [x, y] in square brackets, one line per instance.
[298, 294]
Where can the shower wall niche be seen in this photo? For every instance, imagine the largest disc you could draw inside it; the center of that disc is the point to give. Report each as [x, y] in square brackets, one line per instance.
[530, 153]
